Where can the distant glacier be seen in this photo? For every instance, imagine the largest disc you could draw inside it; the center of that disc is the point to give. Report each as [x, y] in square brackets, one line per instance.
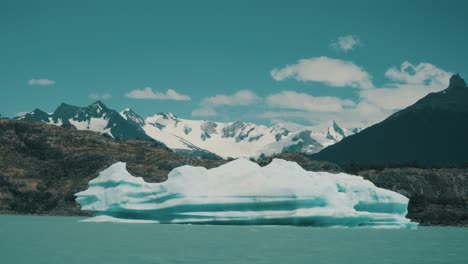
[243, 193]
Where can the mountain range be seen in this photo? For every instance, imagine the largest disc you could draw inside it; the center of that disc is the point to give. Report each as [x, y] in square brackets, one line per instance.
[433, 131]
[201, 138]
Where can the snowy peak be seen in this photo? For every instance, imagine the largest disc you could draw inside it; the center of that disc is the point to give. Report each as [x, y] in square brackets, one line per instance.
[70, 114]
[165, 115]
[162, 119]
[238, 139]
[129, 115]
[279, 132]
[208, 128]
[335, 132]
[98, 107]
[168, 115]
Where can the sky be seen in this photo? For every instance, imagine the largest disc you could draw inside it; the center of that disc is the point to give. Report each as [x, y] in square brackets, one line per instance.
[268, 62]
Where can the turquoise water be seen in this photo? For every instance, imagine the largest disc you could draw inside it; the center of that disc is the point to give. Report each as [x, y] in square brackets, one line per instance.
[64, 240]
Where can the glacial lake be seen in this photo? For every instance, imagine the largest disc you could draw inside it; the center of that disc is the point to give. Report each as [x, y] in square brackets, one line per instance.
[64, 240]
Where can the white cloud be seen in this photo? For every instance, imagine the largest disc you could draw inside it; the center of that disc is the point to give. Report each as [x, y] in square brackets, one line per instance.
[41, 82]
[405, 86]
[239, 98]
[242, 97]
[22, 113]
[423, 73]
[291, 126]
[283, 114]
[204, 111]
[345, 43]
[333, 72]
[362, 115]
[98, 96]
[306, 102]
[409, 84]
[147, 93]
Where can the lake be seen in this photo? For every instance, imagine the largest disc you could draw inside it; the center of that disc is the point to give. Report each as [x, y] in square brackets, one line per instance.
[64, 240]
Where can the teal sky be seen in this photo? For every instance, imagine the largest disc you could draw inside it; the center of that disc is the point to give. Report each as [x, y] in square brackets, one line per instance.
[207, 48]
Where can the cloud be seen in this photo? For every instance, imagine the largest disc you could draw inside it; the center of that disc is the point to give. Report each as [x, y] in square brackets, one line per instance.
[41, 82]
[409, 84]
[22, 113]
[406, 84]
[239, 98]
[98, 96]
[242, 97]
[147, 93]
[359, 116]
[345, 43]
[423, 73]
[204, 111]
[333, 72]
[306, 102]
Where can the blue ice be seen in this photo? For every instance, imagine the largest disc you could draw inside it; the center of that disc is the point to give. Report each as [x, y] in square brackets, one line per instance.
[243, 193]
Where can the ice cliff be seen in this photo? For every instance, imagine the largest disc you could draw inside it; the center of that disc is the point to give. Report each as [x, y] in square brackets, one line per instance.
[242, 192]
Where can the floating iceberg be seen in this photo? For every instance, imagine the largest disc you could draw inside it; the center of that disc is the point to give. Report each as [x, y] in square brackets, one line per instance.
[242, 192]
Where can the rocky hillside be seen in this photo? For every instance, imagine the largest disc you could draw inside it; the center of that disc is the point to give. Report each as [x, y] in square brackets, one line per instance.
[431, 132]
[42, 166]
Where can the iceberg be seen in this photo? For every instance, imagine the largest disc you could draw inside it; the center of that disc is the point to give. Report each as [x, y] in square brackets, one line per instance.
[243, 193]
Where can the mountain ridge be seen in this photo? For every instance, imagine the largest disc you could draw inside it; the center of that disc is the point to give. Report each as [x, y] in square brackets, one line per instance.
[194, 137]
[430, 132]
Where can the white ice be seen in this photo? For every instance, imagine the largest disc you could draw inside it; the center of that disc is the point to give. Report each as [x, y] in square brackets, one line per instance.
[242, 192]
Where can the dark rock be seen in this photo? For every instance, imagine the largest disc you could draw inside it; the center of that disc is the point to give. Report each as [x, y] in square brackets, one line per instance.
[68, 126]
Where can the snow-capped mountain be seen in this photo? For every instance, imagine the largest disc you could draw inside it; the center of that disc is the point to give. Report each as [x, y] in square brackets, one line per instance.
[95, 117]
[196, 137]
[238, 139]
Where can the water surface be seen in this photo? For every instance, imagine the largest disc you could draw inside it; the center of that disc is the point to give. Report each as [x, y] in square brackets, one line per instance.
[43, 239]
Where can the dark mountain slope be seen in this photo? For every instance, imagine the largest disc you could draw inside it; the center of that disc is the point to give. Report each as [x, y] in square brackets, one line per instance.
[432, 132]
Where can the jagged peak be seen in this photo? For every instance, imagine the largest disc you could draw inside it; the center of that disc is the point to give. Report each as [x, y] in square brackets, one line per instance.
[37, 110]
[456, 81]
[63, 107]
[128, 111]
[98, 104]
[237, 124]
[167, 115]
[337, 128]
